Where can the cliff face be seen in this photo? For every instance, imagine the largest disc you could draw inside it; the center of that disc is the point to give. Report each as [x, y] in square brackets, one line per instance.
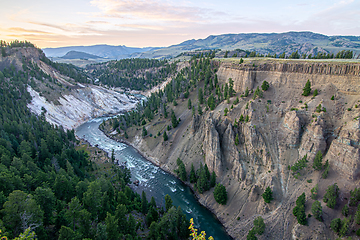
[283, 127]
[343, 76]
[80, 105]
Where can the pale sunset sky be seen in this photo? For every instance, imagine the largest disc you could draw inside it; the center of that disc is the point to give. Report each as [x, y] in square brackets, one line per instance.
[160, 23]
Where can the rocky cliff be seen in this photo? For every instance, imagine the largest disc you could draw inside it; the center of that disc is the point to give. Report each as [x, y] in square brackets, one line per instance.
[283, 127]
[60, 98]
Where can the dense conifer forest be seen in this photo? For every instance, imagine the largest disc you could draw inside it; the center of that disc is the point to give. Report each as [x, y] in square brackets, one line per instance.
[134, 74]
[50, 188]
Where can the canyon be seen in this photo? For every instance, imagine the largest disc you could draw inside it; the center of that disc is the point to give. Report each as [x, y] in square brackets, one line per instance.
[283, 126]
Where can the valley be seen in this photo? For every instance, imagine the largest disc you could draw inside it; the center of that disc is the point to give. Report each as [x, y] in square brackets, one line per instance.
[288, 126]
[283, 127]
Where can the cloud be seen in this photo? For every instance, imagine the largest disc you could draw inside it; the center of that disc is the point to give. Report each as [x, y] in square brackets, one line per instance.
[139, 27]
[153, 10]
[23, 30]
[55, 26]
[97, 22]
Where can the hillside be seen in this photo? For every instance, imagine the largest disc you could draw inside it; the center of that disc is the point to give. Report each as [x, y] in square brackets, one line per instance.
[260, 141]
[79, 55]
[63, 91]
[104, 51]
[52, 185]
[263, 43]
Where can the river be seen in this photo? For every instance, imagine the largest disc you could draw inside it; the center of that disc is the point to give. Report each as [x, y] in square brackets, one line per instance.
[153, 180]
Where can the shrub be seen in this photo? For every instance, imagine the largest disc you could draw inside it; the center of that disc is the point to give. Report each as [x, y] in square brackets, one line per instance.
[314, 192]
[259, 225]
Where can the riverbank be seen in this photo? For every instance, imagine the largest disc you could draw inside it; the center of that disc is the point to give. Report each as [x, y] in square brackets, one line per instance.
[150, 159]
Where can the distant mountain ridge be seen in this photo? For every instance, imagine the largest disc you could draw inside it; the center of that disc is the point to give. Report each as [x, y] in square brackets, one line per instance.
[79, 55]
[104, 51]
[263, 43]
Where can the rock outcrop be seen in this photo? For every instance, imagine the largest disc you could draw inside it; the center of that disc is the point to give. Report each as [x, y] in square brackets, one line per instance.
[344, 154]
[212, 147]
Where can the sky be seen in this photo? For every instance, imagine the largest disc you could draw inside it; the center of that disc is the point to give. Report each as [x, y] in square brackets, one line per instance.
[160, 23]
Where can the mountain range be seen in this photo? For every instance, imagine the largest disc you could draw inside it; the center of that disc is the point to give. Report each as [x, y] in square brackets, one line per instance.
[263, 43]
[104, 51]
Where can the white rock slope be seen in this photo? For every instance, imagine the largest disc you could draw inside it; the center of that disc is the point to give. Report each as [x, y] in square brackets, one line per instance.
[84, 103]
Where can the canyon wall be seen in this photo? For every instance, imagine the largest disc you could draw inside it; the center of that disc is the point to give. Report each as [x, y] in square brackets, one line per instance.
[283, 127]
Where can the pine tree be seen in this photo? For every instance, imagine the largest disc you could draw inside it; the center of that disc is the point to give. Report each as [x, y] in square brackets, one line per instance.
[331, 195]
[181, 170]
[199, 109]
[317, 165]
[326, 171]
[231, 87]
[152, 202]
[144, 203]
[301, 216]
[189, 103]
[246, 92]
[307, 89]
[335, 225]
[144, 132]
[165, 136]
[265, 86]
[211, 102]
[344, 227]
[237, 139]
[168, 202]
[315, 93]
[200, 96]
[345, 210]
[251, 235]
[316, 210]
[236, 100]
[220, 194]
[174, 121]
[241, 119]
[192, 174]
[267, 195]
